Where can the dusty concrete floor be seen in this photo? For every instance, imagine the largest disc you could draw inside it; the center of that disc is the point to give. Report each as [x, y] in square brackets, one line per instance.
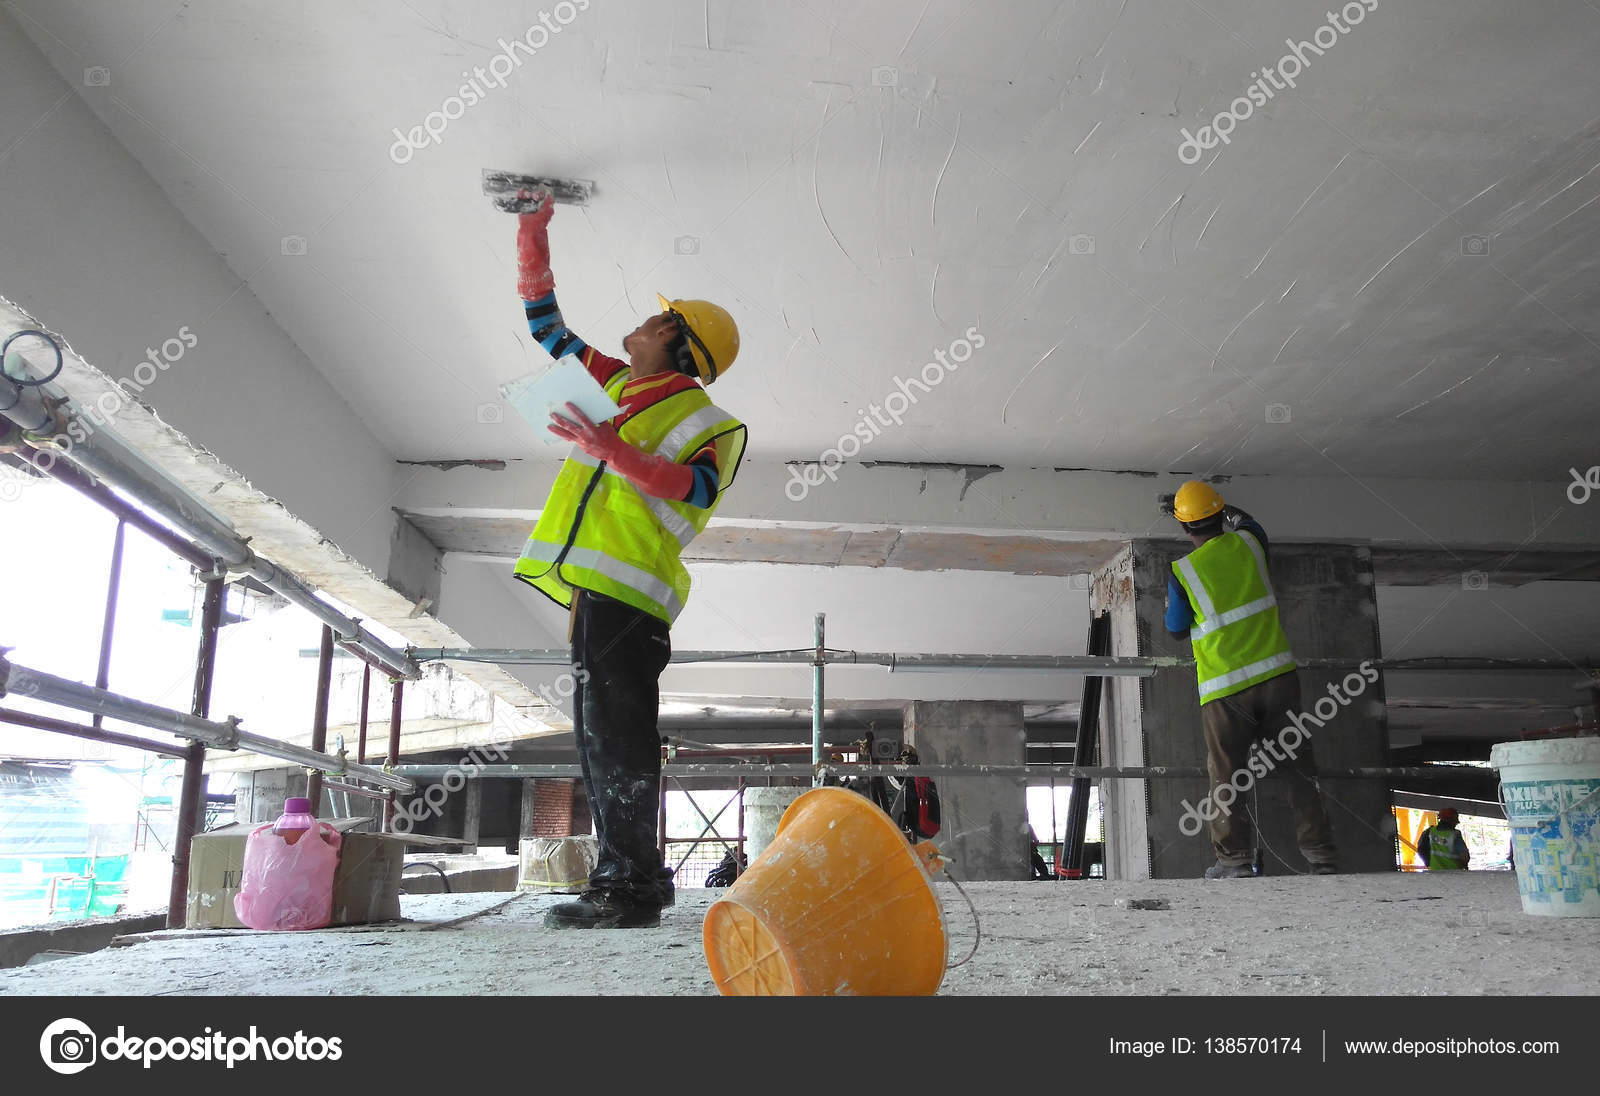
[1462, 933]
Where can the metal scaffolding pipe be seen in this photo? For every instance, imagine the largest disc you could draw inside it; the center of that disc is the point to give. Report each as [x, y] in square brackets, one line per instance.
[819, 661]
[93, 734]
[190, 798]
[49, 689]
[1090, 772]
[319, 715]
[1102, 665]
[101, 455]
[1105, 665]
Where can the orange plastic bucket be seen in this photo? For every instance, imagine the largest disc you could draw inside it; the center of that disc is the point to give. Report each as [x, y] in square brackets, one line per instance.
[840, 903]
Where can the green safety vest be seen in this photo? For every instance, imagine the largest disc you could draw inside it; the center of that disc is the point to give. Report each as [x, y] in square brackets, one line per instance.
[1444, 849]
[598, 532]
[1237, 639]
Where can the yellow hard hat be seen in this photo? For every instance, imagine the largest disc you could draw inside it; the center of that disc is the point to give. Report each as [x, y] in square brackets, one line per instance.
[712, 335]
[1196, 501]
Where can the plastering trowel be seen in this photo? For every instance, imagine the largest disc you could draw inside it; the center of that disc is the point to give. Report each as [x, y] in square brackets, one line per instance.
[514, 193]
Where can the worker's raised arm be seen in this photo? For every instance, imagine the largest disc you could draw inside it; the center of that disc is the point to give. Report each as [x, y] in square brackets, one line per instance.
[537, 285]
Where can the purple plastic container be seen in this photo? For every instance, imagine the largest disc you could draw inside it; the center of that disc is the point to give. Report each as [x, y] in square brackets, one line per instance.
[295, 820]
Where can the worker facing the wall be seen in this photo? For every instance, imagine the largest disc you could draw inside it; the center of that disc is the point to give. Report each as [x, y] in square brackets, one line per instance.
[631, 494]
[1441, 846]
[1220, 597]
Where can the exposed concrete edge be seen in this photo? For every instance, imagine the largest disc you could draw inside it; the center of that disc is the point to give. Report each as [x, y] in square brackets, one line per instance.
[273, 530]
[17, 946]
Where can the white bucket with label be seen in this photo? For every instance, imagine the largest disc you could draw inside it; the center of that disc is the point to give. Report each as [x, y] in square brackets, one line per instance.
[1551, 792]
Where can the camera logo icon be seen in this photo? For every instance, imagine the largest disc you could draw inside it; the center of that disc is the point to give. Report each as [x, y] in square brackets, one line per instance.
[1279, 413]
[1474, 580]
[491, 413]
[293, 245]
[97, 77]
[68, 1046]
[686, 245]
[1474, 245]
[885, 76]
[1080, 244]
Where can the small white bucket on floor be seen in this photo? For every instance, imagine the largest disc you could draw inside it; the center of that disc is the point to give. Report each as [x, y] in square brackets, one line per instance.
[1551, 792]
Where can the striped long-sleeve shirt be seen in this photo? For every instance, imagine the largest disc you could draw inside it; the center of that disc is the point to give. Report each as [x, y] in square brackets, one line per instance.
[551, 332]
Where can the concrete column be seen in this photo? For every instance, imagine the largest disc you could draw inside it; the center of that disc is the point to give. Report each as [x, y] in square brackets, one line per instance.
[1328, 608]
[984, 826]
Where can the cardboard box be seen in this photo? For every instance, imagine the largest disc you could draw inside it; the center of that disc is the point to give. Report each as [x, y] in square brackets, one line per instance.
[366, 888]
[558, 865]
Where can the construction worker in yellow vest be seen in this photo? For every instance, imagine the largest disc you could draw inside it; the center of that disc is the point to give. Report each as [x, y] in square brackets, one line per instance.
[1220, 597]
[1441, 846]
[632, 493]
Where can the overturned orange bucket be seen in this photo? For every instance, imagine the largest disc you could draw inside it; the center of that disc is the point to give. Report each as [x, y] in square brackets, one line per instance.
[839, 904]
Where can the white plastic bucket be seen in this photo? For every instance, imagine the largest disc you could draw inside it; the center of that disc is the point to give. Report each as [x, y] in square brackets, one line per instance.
[763, 809]
[1551, 792]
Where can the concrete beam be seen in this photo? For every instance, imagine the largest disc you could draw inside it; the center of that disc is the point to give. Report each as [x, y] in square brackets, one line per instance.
[1058, 504]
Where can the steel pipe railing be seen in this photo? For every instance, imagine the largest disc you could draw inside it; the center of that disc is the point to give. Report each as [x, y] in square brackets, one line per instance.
[1101, 665]
[37, 410]
[1105, 665]
[1090, 772]
[93, 734]
[49, 689]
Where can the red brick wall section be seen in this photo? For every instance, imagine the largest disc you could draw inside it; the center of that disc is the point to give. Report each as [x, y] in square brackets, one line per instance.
[560, 808]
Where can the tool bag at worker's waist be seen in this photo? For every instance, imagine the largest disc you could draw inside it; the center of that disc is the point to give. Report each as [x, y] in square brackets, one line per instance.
[1237, 639]
[600, 533]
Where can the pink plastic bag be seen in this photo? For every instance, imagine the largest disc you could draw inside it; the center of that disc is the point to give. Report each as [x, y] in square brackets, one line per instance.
[286, 886]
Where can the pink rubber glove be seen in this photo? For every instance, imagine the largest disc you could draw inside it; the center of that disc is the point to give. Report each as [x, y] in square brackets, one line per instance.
[534, 278]
[650, 472]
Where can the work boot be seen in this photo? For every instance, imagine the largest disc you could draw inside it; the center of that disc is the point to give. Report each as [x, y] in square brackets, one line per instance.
[1324, 867]
[1230, 871]
[604, 909]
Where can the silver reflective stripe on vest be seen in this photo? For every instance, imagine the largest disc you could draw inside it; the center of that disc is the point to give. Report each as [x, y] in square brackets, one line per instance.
[1261, 557]
[1245, 673]
[1198, 588]
[1233, 616]
[614, 569]
[690, 428]
[677, 526]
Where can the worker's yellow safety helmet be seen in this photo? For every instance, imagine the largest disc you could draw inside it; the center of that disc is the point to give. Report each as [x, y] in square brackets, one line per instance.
[712, 335]
[1196, 501]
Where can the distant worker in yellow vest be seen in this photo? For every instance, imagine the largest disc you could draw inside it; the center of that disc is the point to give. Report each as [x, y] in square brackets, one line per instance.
[631, 494]
[1441, 845]
[1220, 597]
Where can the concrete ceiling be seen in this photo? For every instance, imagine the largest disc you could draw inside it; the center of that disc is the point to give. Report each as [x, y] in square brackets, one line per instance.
[861, 184]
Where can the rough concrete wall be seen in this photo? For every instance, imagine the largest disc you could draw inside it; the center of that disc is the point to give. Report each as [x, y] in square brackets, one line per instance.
[984, 818]
[1326, 600]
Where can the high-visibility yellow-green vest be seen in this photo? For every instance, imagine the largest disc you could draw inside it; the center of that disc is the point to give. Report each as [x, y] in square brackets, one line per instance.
[1237, 639]
[1444, 849]
[599, 532]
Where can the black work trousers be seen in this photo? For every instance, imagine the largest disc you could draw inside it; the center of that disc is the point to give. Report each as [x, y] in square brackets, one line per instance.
[618, 653]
